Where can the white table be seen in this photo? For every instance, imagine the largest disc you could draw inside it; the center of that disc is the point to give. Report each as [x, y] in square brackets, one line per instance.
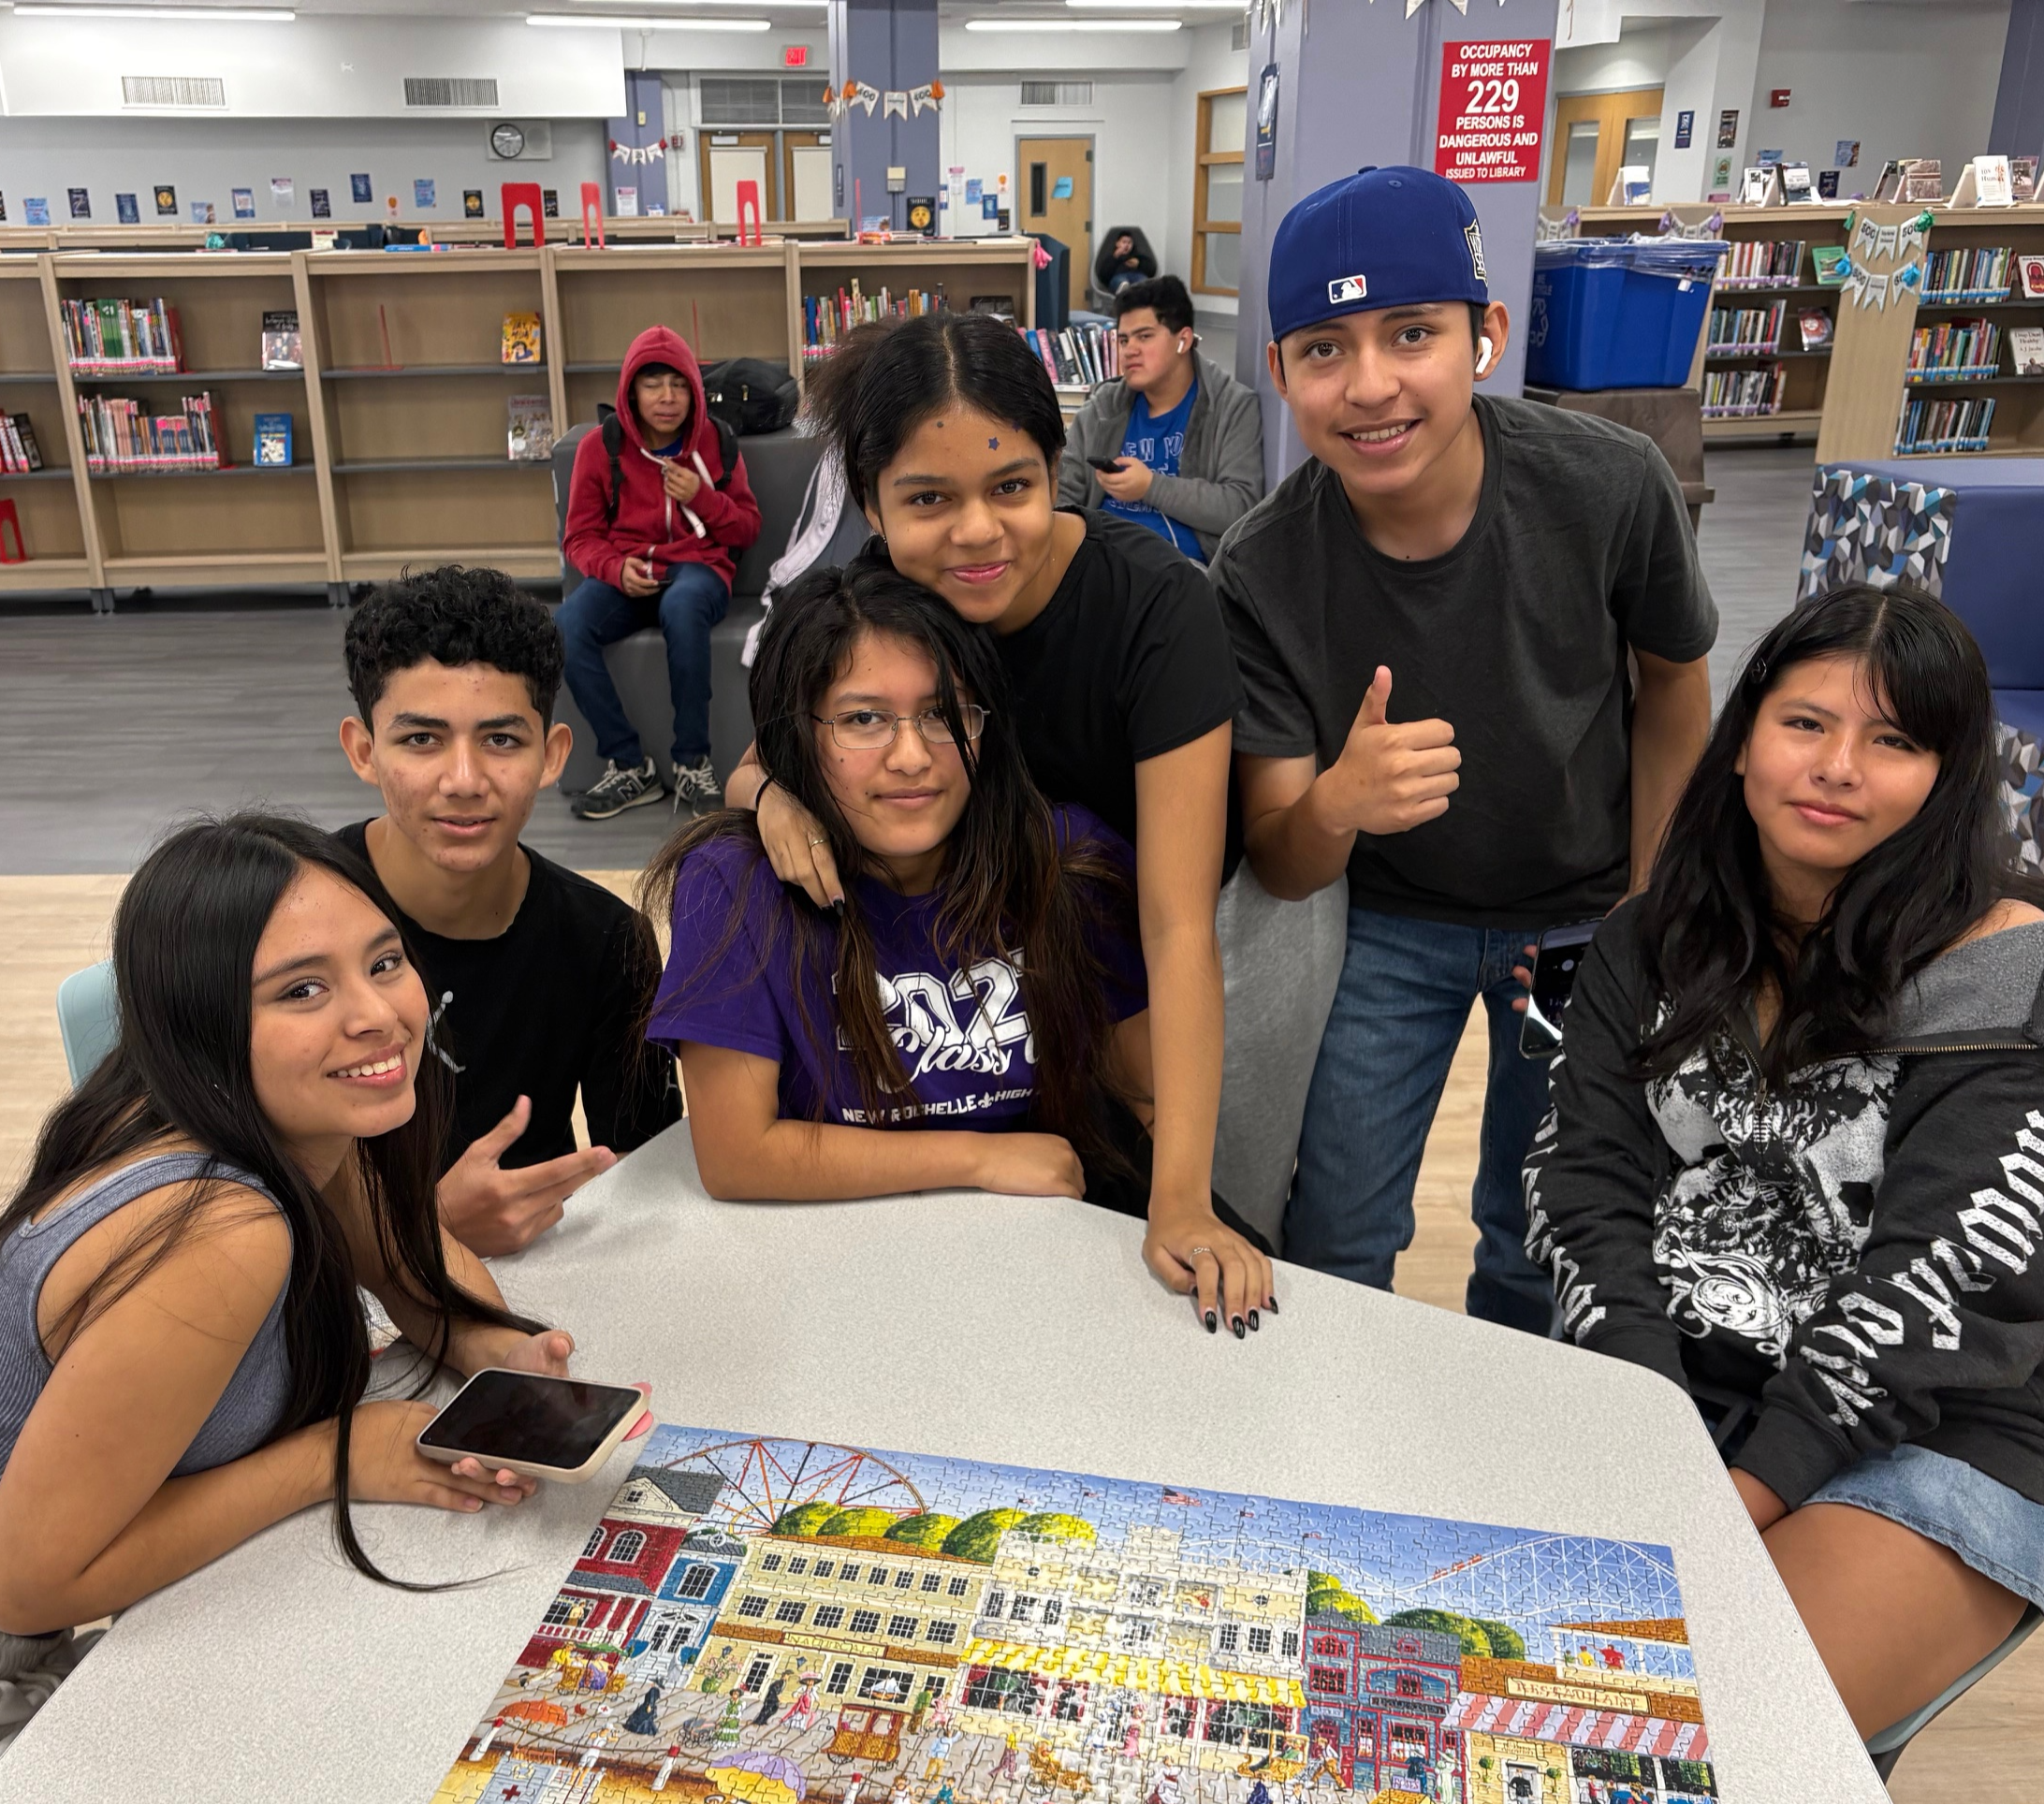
[1014, 1331]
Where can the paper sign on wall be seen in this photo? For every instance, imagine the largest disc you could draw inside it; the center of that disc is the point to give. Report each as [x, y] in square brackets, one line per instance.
[359, 190]
[1492, 101]
[244, 202]
[1062, 188]
[422, 192]
[284, 193]
[128, 209]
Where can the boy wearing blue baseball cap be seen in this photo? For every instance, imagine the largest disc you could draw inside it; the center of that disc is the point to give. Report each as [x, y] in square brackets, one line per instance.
[1499, 560]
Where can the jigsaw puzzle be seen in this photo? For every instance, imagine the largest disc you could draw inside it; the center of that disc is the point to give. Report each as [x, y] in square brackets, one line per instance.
[768, 1620]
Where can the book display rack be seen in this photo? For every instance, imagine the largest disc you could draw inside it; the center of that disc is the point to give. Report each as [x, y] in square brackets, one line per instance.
[416, 421]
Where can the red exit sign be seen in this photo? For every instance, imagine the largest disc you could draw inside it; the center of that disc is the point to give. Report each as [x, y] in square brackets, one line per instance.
[1778, 96]
[794, 56]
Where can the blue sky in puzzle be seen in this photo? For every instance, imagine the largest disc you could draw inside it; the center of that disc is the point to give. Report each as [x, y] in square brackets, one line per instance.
[1530, 1578]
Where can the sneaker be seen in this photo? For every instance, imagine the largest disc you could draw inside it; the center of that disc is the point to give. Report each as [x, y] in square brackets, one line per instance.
[696, 791]
[618, 790]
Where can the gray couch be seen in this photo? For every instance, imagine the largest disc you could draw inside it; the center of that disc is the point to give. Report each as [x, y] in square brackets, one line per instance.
[778, 465]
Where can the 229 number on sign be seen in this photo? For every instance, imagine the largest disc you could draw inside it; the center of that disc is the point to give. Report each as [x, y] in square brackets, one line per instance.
[1493, 110]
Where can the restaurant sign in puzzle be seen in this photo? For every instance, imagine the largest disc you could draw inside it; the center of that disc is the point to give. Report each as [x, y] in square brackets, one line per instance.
[760, 1619]
[1493, 105]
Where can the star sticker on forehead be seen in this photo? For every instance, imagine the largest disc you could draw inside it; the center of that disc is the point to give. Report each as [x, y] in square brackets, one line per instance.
[993, 444]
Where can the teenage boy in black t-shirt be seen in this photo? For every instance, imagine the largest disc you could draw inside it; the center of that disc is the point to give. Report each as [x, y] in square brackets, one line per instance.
[539, 978]
[1500, 560]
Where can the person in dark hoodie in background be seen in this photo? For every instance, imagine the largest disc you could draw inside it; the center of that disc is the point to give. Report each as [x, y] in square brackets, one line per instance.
[1795, 1161]
[656, 534]
[1125, 256]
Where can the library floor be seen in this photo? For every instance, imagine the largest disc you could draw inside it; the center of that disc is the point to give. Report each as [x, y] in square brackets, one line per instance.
[111, 727]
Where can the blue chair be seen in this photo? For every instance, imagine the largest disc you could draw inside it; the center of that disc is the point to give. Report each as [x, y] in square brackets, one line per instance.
[1886, 1746]
[89, 1019]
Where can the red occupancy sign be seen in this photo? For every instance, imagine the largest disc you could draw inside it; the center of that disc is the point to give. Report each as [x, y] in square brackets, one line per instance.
[1493, 105]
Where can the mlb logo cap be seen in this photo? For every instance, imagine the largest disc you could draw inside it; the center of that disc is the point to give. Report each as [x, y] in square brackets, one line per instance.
[1381, 237]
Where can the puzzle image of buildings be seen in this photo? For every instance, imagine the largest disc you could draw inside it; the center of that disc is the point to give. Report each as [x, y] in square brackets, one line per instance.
[766, 1620]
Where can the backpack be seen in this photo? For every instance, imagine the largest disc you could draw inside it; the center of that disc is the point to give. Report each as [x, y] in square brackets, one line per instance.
[750, 396]
[612, 430]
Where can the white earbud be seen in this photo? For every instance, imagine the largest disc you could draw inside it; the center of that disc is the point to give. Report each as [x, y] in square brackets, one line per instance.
[1482, 354]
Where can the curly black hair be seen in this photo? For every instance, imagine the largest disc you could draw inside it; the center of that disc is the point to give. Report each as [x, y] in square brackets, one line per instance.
[453, 615]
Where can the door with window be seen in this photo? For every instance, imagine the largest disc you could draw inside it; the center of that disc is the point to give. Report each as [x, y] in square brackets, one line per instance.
[1216, 191]
[1597, 134]
[729, 159]
[805, 175]
[1054, 184]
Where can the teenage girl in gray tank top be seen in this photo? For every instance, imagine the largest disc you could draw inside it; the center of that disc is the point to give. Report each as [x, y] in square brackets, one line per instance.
[182, 1354]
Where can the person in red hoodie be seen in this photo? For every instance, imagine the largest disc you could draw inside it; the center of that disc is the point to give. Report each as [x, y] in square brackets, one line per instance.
[656, 534]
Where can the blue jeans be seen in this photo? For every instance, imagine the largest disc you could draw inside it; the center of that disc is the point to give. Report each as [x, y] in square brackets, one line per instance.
[597, 615]
[1404, 994]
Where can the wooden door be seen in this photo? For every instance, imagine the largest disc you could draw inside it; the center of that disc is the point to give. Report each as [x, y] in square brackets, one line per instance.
[805, 175]
[729, 159]
[1053, 193]
[1592, 132]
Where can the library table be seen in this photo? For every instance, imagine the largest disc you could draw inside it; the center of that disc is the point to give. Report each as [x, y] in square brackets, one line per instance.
[1007, 1330]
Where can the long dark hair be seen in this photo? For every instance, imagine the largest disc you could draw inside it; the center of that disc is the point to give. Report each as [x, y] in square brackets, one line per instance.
[1711, 935]
[184, 939]
[887, 377]
[1008, 880]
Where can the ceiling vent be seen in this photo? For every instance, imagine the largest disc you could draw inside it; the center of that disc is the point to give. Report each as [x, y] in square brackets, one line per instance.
[1057, 93]
[1239, 38]
[741, 100]
[173, 90]
[450, 91]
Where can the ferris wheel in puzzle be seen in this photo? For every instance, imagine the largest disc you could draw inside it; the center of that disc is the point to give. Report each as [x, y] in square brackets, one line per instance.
[765, 1478]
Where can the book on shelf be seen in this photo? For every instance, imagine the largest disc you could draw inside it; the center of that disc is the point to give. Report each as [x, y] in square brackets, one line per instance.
[1760, 263]
[1827, 265]
[1985, 182]
[1888, 185]
[2022, 178]
[1760, 186]
[283, 348]
[19, 451]
[2030, 271]
[1930, 426]
[1956, 351]
[1795, 184]
[1746, 332]
[530, 435]
[1079, 356]
[124, 438]
[1742, 394]
[827, 318]
[2026, 349]
[1923, 178]
[122, 338]
[521, 337]
[1814, 325]
[1980, 275]
[273, 441]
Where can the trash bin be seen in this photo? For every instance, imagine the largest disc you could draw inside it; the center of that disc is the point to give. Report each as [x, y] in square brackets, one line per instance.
[1618, 312]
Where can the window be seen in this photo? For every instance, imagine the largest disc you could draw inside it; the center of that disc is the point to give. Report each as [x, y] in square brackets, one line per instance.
[960, 1587]
[840, 1677]
[752, 1605]
[997, 1689]
[939, 1631]
[627, 1546]
[594, 1545]
[827, 1616]
[771, 1564]
[799, 1565]
[904, 1579]
[739, 100]
[851, 1572]
[996, 1605]
[1177, 1715]
[789, 1610]
[864, 1622]
[1145, 1592]
[1405, 1740]
[1330, 1645]
[1288, 1645]
[1216, 191]
[756, 1675]
[932, 1582]
[1069, 1705]
[1022, 1610]
[1053, 1610]
[888, 1685]
[1409, 1687]
[1238, 1724]
[1230, 1637]
[660, 1637]
[823, 1569]
[1259, 1639]
[566, 1609]
[1135, 1631]
[1333, 1682]
[876, 1576]
[901, 1627]
[1057, 93]
[695, 1583]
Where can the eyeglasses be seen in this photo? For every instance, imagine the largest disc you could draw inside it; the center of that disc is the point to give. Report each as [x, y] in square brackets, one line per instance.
[867, 730]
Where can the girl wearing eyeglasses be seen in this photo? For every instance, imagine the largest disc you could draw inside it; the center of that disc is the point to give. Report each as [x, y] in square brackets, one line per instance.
[980, 983]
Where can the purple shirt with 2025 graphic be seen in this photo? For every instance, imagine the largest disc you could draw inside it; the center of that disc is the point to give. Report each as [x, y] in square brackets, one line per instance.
[963, 1034]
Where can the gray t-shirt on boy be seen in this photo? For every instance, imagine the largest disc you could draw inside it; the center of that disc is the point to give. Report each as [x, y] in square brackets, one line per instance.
[1580, 547]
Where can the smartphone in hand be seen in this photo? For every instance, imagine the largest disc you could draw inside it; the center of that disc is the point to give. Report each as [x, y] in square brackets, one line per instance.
[542, 1427]
[1105, 463]
[1561, 951]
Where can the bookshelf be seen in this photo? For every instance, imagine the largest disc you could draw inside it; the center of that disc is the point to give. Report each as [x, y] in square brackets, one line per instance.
[400, 415]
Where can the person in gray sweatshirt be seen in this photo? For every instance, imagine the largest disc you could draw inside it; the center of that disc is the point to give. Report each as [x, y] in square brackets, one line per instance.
[1186, 440]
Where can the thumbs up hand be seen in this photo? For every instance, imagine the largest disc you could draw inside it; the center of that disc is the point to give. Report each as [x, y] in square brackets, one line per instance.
[1390, 776]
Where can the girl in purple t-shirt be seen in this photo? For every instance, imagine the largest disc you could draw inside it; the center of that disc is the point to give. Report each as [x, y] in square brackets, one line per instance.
[982, 981]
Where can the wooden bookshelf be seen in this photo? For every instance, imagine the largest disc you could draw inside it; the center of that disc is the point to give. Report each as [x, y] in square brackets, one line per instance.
[399, 417]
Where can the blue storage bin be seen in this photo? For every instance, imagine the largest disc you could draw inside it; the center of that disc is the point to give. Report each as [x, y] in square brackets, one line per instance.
[1618, 312]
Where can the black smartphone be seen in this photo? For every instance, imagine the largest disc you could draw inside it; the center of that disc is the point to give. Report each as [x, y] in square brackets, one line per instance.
[1105, 464]
[1561, 951]
[544, 1427]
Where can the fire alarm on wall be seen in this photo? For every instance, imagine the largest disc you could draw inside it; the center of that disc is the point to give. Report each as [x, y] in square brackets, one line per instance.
[1778, 96]
[794, 56]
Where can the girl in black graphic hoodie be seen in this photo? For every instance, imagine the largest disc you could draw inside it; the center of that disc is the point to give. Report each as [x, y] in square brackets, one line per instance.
[1795, 1157]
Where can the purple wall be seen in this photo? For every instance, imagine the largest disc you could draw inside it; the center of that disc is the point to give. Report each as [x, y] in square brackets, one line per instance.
[643, 98]
[885, 46]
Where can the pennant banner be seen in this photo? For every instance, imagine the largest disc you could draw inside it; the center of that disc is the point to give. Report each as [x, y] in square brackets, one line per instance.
[931, 94]
[1887, 241]
[894, 104]
[865, 94]
[635, 154]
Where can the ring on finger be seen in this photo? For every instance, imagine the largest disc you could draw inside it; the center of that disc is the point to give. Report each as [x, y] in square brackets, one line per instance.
[818, 840]
[1193, 1253]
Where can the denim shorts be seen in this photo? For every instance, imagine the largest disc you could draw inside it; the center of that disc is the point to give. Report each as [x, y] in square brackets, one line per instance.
[1996, 1531]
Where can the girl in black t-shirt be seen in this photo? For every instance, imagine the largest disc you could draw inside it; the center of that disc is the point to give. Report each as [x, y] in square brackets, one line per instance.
[949, 432]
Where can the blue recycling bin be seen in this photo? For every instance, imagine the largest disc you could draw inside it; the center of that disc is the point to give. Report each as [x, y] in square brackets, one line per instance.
[1618, 312]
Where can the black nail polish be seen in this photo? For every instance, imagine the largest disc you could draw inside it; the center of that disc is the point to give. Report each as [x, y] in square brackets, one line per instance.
[837, 905]
[1254, 1321]
[1271, 1305]
[1235, 1323]
[1213, 1323]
